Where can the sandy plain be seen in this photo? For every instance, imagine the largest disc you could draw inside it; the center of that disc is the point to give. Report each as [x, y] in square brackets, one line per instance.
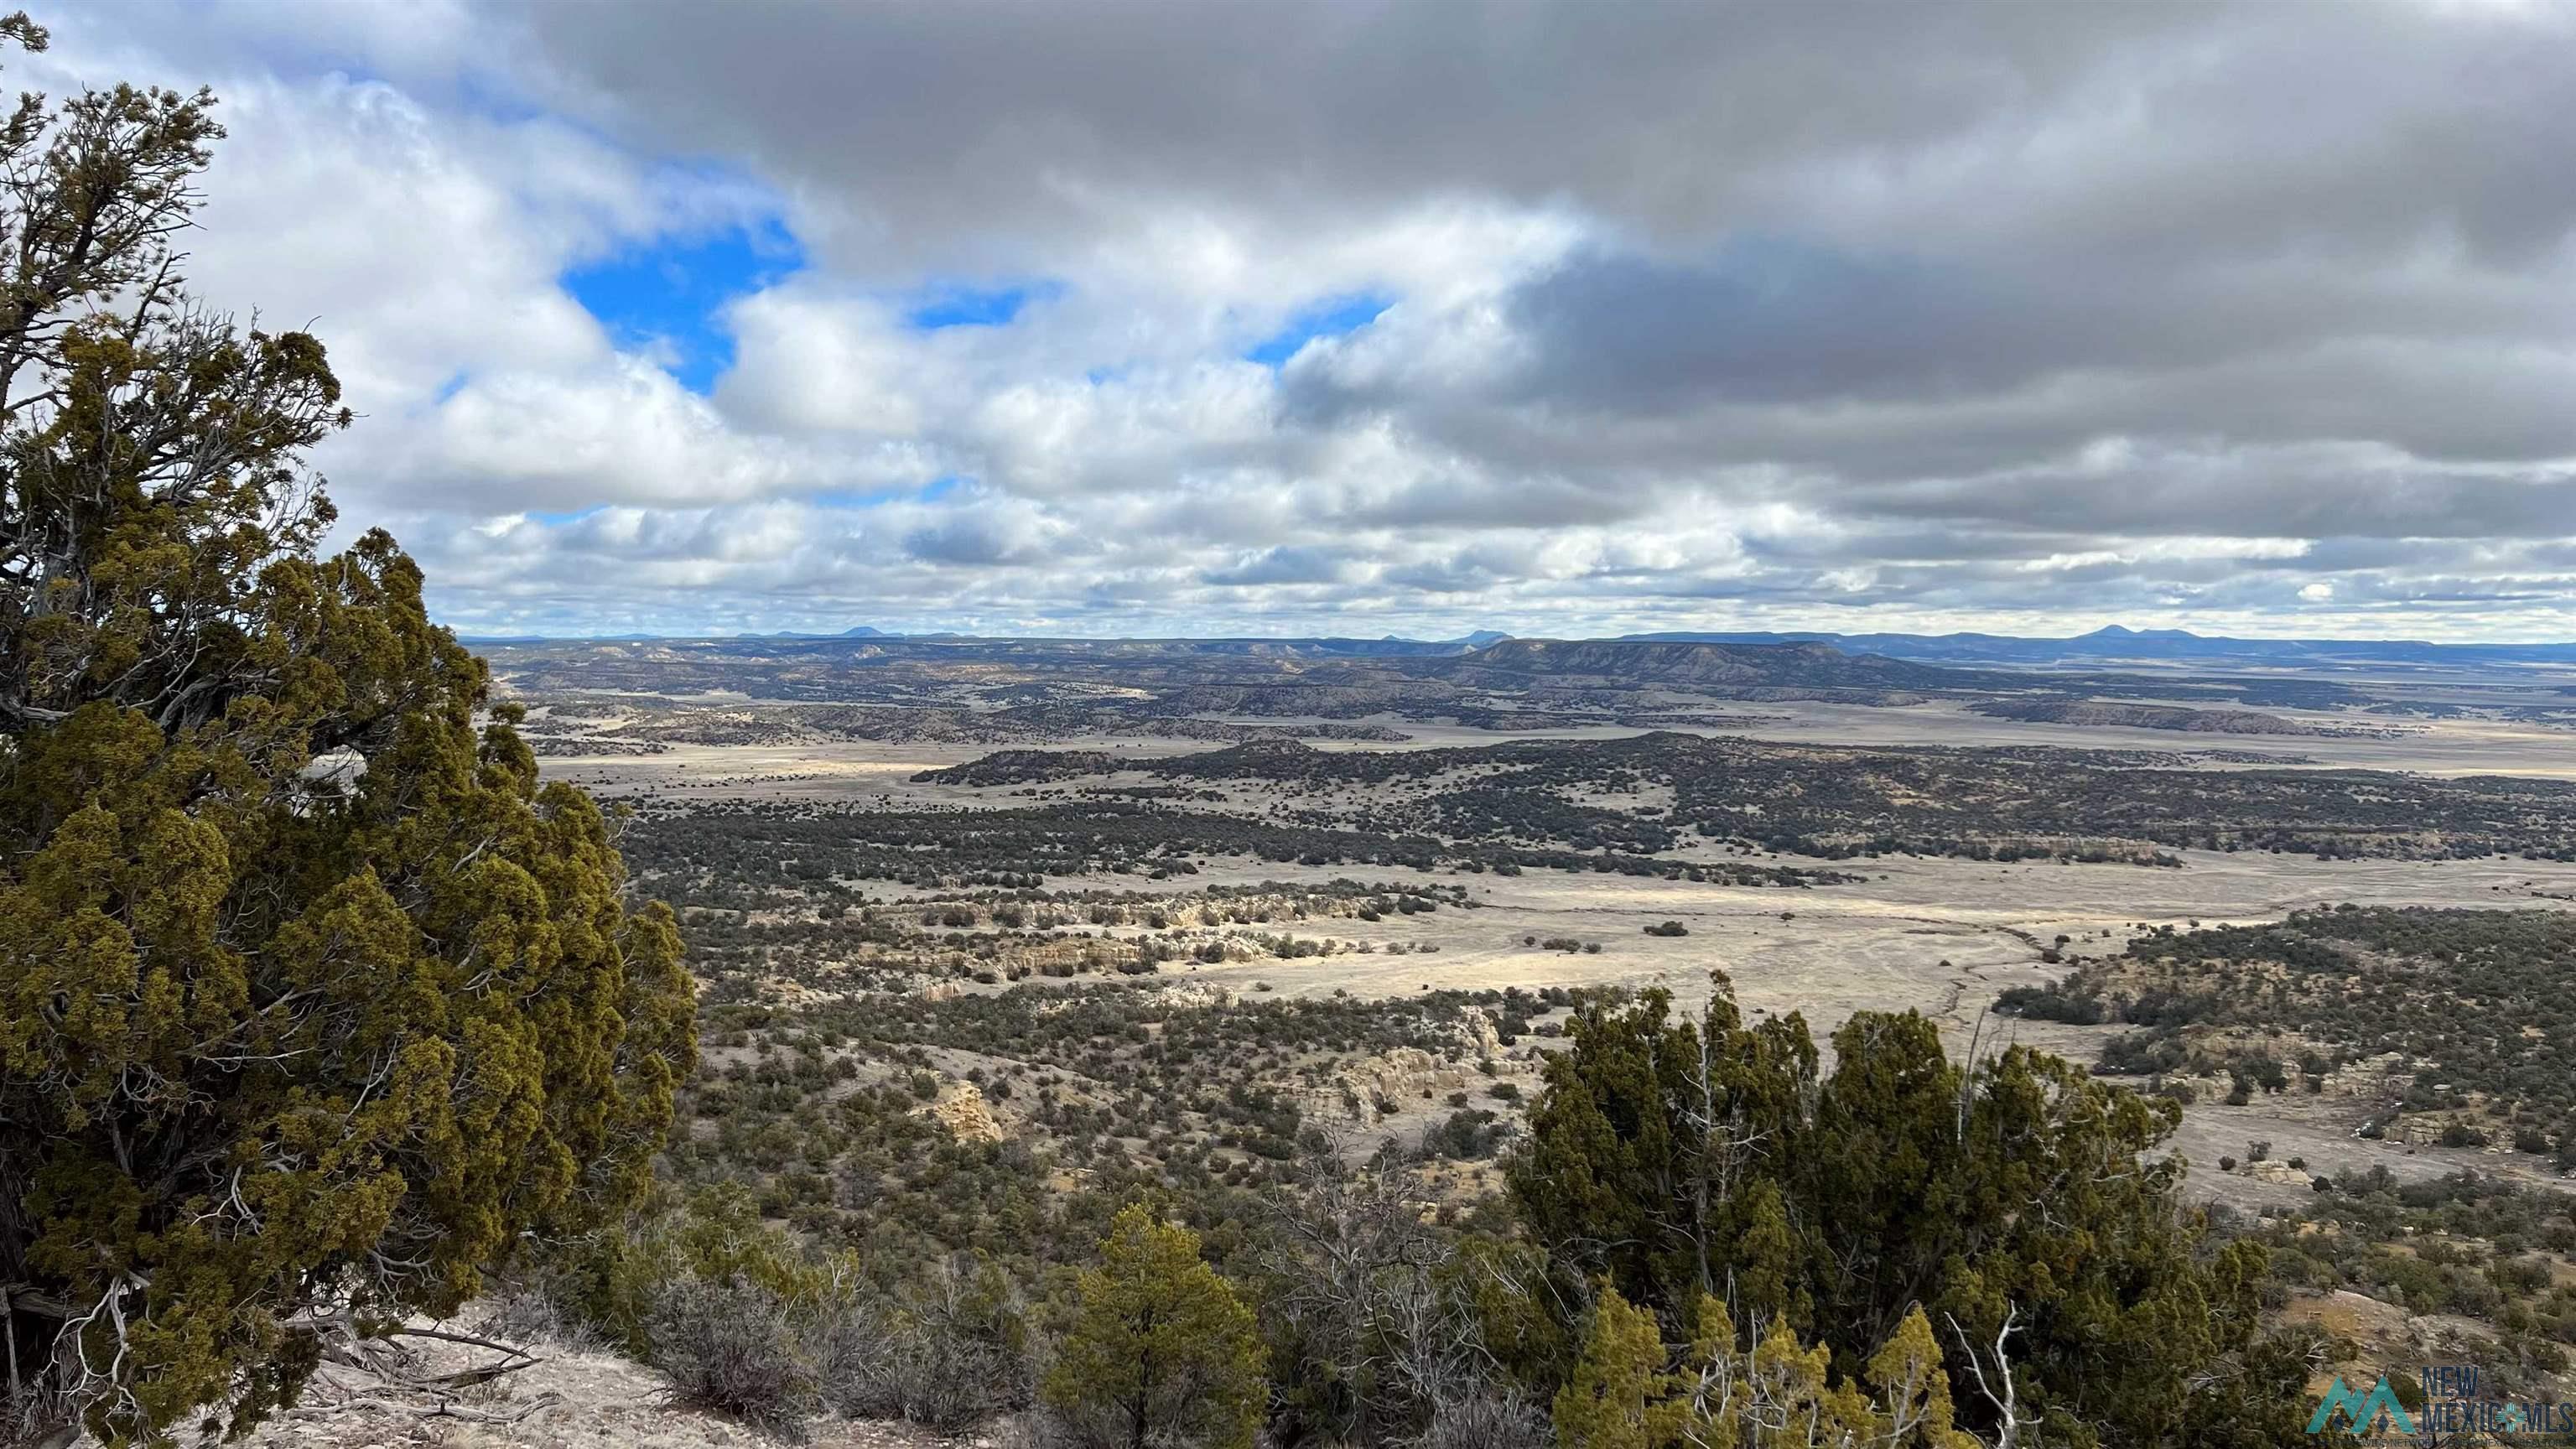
[1942, 936]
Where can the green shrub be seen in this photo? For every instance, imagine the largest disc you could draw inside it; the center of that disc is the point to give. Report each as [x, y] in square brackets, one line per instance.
[1159, 1347]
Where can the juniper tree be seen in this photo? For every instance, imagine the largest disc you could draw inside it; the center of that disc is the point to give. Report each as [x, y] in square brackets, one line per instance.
[314, 1000]
[2021, 1204]
[1628, 1391]
[1160, 1350]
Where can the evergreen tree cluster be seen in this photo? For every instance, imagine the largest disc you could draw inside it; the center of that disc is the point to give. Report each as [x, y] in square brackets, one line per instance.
[314, 1001]
[2014, 1202]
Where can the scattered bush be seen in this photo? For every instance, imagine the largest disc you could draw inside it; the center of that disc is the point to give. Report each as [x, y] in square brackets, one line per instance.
[1485, 1422]
[1467, 1135]
[733, 1346]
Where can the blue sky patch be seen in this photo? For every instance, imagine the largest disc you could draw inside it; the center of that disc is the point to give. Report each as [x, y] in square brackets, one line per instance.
[1332, 317]
[930, 492]
[667, 294]
[962, 306]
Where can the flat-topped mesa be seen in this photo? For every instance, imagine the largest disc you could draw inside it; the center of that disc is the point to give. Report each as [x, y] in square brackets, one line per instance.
[1803, 664]
[1252, 757]
[1021, 767]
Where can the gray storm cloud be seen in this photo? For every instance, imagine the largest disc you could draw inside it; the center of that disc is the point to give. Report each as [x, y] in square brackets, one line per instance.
[2004, 316]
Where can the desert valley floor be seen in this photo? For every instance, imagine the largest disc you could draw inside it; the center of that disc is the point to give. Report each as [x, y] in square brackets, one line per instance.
[1909, 923]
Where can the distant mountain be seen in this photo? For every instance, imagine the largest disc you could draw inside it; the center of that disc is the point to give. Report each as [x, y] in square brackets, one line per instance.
[2111, 648]
[1766, 664]
[2114, 644]
[858, 631]
[1399, 645]
[1389, 647]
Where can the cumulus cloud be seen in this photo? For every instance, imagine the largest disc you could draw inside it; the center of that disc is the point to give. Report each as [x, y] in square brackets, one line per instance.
[1153, 317]
[1286, 564]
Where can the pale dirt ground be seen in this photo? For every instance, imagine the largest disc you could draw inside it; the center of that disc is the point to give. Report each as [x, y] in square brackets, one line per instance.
[571, 1400]
[1942, 936]
[849, 773]
[863, 770]
[1882, 945]
[1875, 944]
[2434, 747]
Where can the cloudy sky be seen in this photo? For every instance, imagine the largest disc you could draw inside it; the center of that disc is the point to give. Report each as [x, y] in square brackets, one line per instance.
[1277, 318]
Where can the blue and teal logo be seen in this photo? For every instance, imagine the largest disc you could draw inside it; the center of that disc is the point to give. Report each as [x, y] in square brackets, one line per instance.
[2362, 1411]
[2453, 1404]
